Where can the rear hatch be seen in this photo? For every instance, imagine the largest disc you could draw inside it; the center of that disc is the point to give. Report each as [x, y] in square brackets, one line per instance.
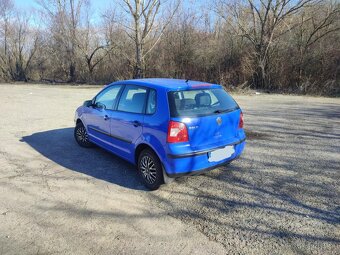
[211, 116]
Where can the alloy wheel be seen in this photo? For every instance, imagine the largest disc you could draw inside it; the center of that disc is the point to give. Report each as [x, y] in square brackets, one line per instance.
[82, 135]
[148, 169]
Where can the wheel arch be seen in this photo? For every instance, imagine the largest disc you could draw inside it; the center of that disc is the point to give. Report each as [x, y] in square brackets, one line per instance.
[140, 147]
[79, 121]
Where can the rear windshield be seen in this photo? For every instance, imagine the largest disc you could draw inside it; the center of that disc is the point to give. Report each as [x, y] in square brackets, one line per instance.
[202, 102]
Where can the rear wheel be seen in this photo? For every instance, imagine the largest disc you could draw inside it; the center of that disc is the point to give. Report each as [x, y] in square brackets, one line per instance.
[81, 136]
[150, 169]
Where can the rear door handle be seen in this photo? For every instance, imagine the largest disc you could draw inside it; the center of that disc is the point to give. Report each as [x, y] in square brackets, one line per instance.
[136, 123]
[106, 117]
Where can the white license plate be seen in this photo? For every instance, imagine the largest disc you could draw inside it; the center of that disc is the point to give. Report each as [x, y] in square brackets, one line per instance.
[220, 154]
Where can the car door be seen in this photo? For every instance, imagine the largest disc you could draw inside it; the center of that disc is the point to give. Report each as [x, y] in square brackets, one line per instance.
[127, 120]
[97, 118]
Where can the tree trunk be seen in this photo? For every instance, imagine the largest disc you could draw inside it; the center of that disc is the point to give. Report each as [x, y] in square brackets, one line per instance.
[138, 72]
[72, 72]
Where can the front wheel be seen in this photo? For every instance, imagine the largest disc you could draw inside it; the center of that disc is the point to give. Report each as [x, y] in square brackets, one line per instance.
[81, 136]
[150, 169]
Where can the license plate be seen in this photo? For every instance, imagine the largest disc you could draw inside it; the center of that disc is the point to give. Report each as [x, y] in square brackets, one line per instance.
[220, 154]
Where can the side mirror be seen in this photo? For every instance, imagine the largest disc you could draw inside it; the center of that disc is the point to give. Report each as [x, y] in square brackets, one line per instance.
[87, 103]
[99, 106]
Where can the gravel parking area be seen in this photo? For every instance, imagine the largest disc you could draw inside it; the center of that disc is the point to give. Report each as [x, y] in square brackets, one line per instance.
[281, 197]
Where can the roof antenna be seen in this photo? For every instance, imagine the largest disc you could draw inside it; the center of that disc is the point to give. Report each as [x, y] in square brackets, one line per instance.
[187, 80]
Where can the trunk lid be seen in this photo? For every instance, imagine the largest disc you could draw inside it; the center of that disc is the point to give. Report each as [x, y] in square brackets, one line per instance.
[213, 130]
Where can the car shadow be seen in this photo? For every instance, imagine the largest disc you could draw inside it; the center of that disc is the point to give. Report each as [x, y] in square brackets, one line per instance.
[59, 146]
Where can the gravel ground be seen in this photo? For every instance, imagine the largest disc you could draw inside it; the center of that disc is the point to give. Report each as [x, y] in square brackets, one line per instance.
[281, 197]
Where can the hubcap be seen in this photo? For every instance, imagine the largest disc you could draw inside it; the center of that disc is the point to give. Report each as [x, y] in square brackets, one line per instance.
[148, 169]
[82, 135]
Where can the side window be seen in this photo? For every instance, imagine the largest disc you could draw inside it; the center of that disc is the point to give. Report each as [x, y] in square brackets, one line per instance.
[132, 99]
[151, 106]
[106, 99]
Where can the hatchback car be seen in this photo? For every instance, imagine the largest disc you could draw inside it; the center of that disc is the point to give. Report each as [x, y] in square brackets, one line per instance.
[166, 127]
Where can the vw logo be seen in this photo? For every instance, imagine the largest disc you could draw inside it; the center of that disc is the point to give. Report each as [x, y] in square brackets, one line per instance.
[219, 120]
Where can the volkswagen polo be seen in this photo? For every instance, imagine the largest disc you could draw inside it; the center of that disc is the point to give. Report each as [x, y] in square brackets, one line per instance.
[166, 127]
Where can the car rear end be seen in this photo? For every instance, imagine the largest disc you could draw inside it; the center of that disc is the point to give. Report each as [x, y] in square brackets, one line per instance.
[205, 130]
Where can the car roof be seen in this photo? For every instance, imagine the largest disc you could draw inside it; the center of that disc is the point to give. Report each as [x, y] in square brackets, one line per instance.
[168, 84]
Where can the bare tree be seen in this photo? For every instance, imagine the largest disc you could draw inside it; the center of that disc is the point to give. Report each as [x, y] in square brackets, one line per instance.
[122, 55]
[6, 14]
[262, 23]
[20, 43]
[314, 24]
[65, 18]
[144, 30]
[92, 43]
[23, 47]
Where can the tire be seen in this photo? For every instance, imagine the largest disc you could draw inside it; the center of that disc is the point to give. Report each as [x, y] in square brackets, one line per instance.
[81, 136]
[150, 169]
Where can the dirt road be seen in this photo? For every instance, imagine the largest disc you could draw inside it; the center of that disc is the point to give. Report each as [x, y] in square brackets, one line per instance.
[281, 197]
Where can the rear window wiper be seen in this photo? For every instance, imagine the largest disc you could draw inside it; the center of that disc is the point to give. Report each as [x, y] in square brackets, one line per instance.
[227, 110]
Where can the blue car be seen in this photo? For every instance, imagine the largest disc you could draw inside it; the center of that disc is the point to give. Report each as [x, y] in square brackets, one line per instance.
[168, 128]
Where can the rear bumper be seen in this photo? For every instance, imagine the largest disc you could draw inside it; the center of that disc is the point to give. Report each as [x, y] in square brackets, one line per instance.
[197, 162]
[197, 153]
[201, 171]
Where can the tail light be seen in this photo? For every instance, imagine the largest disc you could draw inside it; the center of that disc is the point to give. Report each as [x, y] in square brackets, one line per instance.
[177, 132]
[240, 124]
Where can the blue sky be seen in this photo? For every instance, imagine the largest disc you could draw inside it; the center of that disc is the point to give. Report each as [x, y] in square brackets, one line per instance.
[24, 4]
[97, 5]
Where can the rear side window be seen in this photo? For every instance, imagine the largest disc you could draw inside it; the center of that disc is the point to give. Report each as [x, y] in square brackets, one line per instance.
[151, 105]
[132, 99]
[202, 102]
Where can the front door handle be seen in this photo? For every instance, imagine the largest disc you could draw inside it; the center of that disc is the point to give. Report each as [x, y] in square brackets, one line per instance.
[106, 117]
[136, 123]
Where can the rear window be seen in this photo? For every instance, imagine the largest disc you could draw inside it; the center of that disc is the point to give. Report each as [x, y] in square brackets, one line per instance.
[202, 102]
